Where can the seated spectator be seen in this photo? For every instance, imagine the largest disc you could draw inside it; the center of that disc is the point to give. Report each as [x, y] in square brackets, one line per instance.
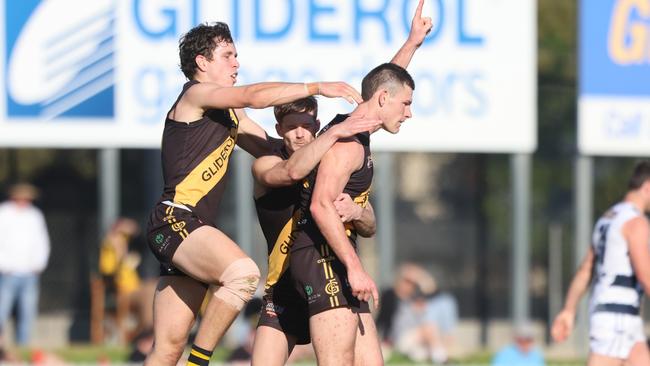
[425, 318]
[520, 353]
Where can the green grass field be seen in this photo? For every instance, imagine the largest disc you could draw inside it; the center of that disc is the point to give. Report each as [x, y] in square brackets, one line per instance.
[100, 355]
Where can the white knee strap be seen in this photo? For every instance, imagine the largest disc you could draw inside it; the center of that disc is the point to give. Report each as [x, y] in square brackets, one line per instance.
[239, 282]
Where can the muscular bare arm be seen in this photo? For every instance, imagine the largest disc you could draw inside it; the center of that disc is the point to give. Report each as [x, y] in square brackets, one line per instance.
[203, 96]
[333, 173]
[420, 27]
[262, 95]
[279, 173]
[637, 234]
[563, 323]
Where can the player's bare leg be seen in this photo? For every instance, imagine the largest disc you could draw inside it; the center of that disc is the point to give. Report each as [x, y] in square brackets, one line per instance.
[209, 256]
[271, 347]
[333, 334]
[367, 348]
[601, 360]
[176, 303]
[639, 355]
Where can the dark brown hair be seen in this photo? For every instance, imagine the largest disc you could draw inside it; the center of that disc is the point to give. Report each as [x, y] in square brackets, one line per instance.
[201, 40]
[383, 74]
[641, 175]
[308, 104]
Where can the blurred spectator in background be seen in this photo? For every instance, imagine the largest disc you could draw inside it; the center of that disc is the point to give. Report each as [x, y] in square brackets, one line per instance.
[117, 264]
[24, 251]
[424, 320]
[119, 286]
[522, 352]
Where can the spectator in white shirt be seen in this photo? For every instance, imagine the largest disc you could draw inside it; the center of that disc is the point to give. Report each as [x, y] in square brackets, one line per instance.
[24, 251]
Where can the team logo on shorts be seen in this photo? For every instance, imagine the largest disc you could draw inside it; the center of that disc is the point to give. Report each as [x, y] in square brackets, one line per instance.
[159, 238]
[332, 288]
[309, 290]
[178, 226]
[65, 69]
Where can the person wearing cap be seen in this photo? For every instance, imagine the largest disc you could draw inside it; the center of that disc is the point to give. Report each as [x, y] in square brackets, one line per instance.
[24, 251]
[522, 352]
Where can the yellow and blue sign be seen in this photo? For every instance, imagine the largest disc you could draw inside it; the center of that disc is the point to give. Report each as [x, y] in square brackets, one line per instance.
[615, 47]
[614, 77]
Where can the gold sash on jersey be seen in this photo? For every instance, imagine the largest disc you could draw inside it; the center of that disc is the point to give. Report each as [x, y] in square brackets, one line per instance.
[279, 257]
[208, 173]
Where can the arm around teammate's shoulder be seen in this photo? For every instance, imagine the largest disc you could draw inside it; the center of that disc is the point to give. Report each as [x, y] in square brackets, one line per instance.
[637, 234]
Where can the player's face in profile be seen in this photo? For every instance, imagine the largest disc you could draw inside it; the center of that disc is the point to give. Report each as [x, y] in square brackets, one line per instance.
[223, 67]
[297, 129]
[397, 109]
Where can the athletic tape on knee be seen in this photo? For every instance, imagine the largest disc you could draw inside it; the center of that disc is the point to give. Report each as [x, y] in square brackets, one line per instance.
[239, 283]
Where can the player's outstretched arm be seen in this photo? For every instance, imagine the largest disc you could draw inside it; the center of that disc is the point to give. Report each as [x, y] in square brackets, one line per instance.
[252, 138]
[563, 323]
[263, 95]
[334, 171]
[363, 218]
[637, 234]
[420, 27]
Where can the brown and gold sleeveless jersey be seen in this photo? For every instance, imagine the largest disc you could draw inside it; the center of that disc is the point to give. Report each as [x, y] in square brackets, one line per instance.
[358, 187]
[195, 159]
[278, 220]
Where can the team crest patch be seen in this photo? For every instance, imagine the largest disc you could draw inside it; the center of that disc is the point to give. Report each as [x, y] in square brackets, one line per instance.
[159, 238]
[332, 288]
[309, 290]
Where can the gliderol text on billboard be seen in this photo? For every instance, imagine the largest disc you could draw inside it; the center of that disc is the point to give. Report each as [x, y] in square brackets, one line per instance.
[107, 71]
[614, 69]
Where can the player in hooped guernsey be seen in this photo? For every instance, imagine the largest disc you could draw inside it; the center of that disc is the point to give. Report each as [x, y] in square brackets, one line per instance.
[619, 261]
[616, 286]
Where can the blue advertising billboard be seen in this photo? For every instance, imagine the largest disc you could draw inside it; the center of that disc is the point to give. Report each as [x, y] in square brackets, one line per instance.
[614, 77]
[103, 73]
